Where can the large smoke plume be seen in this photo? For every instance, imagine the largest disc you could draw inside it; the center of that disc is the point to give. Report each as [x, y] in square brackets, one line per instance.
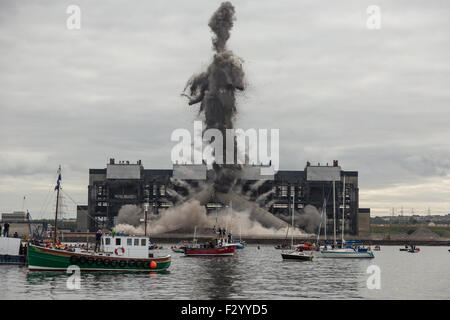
[215, 89]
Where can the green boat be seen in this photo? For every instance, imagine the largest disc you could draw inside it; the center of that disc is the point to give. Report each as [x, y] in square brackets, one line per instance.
[117, 253]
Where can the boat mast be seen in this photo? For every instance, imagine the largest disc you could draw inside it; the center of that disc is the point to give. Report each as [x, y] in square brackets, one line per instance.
[145, 218]
[195, 231]
[321, 220]
[55, 237]
[292, 238]
[343, 213]
[326, 221]
[334, 212]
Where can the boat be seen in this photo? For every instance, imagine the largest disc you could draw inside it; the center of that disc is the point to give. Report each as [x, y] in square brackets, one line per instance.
[413, 249]
[307, 246]
[354, 251]
[377, 248]
[220, 246]
[347, 253]
[406, 248]
[12, 251]
[239, 243]
[180, 247]
[115, 253]
[296, 254]
[283, 246]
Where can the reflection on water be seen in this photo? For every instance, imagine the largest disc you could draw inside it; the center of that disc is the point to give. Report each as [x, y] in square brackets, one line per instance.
[249, 274]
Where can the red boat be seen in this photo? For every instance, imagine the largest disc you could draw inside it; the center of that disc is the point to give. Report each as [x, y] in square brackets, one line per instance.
[219, 247]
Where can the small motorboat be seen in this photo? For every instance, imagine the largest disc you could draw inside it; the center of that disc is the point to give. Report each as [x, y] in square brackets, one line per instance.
[377, 248]
[180, 247]
[282, 246]
[406, 248]
[413, 249]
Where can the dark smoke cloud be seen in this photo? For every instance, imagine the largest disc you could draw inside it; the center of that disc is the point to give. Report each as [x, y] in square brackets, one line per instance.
[215, 90]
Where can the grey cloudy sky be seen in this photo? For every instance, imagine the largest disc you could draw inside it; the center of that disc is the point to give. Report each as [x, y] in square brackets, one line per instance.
[376, 100]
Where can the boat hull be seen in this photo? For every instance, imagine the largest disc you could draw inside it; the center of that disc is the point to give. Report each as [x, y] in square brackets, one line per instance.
[12, 259]
[288, 256]
[219, 251]
[45, 259]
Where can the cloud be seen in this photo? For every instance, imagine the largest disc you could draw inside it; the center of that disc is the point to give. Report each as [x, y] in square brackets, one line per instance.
[375, 100]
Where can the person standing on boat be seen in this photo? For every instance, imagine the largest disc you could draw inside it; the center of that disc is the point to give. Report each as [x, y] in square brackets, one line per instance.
[98, 237]
[6, 229]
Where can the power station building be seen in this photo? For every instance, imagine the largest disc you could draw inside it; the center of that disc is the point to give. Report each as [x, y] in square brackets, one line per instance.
[129, 183]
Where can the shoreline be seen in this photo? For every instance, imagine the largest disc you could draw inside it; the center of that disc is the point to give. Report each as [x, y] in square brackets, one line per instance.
[175, 238]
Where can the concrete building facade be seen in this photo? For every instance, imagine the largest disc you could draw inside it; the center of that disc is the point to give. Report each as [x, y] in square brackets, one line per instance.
[124, 183]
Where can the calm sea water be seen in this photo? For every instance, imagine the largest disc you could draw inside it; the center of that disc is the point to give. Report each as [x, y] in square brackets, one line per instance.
[250, 274]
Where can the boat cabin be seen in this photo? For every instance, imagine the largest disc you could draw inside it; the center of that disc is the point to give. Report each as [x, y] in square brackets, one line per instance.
[126, 246]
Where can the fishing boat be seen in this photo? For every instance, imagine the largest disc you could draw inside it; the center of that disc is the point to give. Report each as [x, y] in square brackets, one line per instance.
[296, 254]
[219, 246]
[115, 253]
[349, 252]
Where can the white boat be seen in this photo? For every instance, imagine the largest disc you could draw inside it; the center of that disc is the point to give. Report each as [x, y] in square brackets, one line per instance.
[354, 252]
[347, 253]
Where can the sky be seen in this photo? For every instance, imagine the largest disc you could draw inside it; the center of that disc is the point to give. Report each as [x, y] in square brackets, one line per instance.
[376, 100]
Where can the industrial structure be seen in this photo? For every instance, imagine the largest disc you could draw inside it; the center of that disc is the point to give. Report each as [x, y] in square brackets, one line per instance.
[129, 183]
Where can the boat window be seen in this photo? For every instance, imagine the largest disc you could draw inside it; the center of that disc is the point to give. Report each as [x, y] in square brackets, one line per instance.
[129, 242]
[118, 242]
[136, 242]
[143, 242]
[108, 241]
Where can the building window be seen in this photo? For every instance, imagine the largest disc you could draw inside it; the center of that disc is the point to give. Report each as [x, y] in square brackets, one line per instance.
[283, 191]
[107, 241]
[118, 242]
[143, 242]
[136, 242]
[129, 242]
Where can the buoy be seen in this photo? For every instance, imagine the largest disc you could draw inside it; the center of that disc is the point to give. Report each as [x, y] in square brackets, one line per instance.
[258, 247]
[153, 264]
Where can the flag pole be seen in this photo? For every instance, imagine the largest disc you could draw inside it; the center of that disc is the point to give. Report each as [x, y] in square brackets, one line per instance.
[55, 237]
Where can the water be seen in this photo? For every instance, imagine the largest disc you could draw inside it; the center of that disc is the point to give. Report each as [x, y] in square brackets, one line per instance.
[250, 274]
